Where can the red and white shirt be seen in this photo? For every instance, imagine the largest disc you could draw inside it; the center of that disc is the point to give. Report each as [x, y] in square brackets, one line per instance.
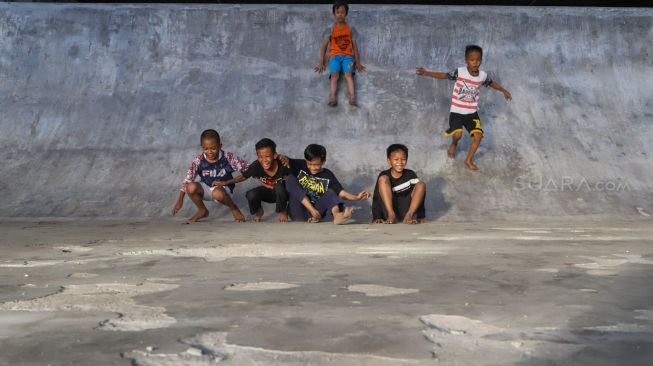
[467, 90]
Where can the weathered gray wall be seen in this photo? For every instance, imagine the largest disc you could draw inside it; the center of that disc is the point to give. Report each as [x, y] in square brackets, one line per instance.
[101, 106]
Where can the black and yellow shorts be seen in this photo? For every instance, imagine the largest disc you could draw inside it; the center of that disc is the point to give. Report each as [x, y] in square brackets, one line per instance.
[471, 122]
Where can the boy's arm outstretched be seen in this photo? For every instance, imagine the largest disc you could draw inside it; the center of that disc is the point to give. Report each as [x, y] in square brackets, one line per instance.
[354, 197]
[496, 86]
[437, 75]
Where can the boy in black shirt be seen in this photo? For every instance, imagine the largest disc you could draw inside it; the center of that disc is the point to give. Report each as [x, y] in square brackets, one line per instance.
[398, 195]
[270, 171]
[314, 190]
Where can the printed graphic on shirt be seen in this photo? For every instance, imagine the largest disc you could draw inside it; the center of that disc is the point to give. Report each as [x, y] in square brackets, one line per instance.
[256, 171]
[213, 173]
[315, 187]
[219, 170]
[269, 181]
[343, 41]
[467, 90]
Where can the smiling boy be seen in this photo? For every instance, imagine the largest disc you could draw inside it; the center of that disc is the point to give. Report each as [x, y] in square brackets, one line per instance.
[315, 191]
[399, 194]
[213, 166]
[271, 172]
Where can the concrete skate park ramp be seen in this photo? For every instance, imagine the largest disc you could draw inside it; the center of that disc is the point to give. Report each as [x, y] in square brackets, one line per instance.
[102, 106]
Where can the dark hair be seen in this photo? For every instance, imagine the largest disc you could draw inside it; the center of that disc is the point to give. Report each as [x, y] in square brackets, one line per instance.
[210, 135]
[338, 4]
[473, 48]
[394, 147]
[266, 142]
[315, 151]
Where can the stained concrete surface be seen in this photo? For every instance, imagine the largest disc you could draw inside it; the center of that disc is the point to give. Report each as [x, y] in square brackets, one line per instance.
[102, 105]
[164, 293]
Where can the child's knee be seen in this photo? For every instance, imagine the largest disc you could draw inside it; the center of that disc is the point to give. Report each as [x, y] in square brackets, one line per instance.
[477, 137]
[420, 186]
[251, 195]
[194, 188]
[348, 75]
[335, 75]
[457, 135]
[218, 194]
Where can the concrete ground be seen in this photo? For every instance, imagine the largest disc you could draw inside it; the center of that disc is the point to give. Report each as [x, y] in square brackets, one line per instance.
[164, 293]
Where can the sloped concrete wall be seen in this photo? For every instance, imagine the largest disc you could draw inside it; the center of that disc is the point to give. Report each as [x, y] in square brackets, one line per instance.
[102, 106]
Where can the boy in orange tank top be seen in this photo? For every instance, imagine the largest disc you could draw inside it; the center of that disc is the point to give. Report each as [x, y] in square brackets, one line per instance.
[343, 53]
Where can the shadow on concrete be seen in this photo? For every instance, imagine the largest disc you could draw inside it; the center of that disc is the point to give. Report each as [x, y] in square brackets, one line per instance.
[603, 334]
[436, 204]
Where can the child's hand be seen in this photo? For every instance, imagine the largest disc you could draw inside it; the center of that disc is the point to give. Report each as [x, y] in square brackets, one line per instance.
[363, 196]
[507, 95]
[177, 207]
[319, 68]
[420, 71]
[359, 67]
[285, 161]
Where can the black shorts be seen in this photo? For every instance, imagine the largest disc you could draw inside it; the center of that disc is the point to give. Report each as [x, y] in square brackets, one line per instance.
[400, 205]
[471, 122]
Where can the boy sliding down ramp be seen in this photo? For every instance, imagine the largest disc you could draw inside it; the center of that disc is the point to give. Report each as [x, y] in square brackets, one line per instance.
[343, 54]
[464, 101]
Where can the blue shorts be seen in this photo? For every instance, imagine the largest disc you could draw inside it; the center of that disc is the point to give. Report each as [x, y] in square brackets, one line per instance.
[341, 63]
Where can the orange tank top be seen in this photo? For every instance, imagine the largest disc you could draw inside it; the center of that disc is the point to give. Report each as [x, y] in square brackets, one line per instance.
[341, 43]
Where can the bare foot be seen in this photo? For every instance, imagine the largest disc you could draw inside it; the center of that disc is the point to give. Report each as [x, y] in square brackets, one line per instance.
[333, 101]
[238, 216]
[378, 221]
[258, 215]
[409, 220]
[283, 216]
[422, 221]
[340, 217]
[392, 219]
[471, 166]
[353, 102]
[452, 150]
[199, 215]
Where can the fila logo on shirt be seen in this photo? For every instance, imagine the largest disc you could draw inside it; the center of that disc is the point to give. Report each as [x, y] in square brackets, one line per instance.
[213, 173]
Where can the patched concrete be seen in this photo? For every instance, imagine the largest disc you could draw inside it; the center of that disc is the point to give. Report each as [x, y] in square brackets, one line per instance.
[457, 300]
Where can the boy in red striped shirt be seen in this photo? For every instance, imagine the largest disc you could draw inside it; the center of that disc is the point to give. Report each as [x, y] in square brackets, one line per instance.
[464, 101]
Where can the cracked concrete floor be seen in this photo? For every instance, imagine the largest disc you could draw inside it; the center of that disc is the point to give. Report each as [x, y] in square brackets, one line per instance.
[163, 293]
